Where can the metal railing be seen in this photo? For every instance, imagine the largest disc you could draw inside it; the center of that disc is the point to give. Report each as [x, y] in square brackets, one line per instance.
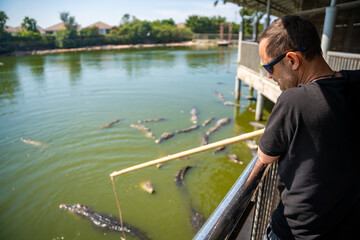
[230, 215]
[267, 200]
[343, 61]
[249, 57]
[213, 37]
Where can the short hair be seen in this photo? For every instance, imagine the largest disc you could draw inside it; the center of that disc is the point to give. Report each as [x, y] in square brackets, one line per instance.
[291, 32]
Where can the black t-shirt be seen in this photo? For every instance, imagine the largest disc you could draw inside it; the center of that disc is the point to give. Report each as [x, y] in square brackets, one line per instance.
[315, 130]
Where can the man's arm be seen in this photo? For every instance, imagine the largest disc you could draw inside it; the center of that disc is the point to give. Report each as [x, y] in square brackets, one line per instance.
[262, 160]
[266, 159]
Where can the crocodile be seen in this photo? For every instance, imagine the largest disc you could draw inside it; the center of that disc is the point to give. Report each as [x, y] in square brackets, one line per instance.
[104, 221]
[196, 218]
[151, 120]
[207, 121]
[221, 122]
[194, 112]
[193, 127]
[110, 124]
[164, 136]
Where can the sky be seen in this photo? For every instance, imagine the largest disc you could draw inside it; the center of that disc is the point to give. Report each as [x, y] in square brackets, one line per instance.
[87, 12]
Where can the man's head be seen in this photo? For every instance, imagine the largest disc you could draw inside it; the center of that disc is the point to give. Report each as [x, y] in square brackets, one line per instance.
[296, 40]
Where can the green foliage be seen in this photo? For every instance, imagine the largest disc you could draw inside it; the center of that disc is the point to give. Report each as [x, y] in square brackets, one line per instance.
[26, 35]
[132, 31]
[199, 24]
[166, 33]
[135, 32]
[90, 32]
[125, 19]
[29, 24]
[3, 18]
[90, 36]
[66, 39]
[114, 36]
[169, 22]
[252, 17]
[69, 21]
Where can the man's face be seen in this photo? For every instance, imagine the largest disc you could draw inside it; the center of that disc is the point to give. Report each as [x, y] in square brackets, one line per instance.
[282, 74]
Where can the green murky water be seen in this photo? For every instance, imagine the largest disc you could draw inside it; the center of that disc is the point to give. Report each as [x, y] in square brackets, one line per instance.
[63, 99]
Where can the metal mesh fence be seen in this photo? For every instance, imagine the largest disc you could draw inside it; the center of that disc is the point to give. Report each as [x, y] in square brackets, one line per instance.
[267, 198]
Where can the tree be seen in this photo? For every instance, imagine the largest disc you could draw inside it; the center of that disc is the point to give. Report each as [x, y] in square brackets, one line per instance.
[68, 37]
[90, 32]
[135, 32]
[3, 18]
[125, 19]
[29, 24]
[251, 23]
[204, 24]
[69, 21]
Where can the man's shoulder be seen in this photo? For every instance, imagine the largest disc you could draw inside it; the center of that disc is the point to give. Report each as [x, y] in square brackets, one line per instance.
[294, 94]
[351, 73]
[353, 76]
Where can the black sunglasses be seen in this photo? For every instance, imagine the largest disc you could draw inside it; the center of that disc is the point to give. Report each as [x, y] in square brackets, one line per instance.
[269, 67]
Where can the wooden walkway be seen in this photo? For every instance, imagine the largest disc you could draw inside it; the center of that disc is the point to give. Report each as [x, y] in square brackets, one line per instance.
[266, 86]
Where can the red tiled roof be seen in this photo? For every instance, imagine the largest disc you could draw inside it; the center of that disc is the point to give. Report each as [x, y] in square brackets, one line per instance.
[56, 27]
[100, 25]
[12, 29]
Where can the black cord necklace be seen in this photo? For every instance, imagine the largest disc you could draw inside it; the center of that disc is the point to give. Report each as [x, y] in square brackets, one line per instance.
[324, 76]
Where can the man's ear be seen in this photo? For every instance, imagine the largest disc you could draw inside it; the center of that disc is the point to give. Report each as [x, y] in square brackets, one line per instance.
[294, 60]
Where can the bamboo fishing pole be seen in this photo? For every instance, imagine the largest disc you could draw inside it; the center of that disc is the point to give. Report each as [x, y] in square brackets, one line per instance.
[204, 148]
[200, 149]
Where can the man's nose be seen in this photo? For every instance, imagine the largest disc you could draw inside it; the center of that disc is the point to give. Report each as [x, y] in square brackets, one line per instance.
[269, 75]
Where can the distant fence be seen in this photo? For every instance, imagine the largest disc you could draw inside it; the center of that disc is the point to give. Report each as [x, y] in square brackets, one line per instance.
[214, 37]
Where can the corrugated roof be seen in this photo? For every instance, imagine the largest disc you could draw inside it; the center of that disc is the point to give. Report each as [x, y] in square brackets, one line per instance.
[283, 7]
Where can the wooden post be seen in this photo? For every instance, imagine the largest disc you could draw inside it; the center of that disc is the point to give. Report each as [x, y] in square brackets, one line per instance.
[229, 32]
[221, 31]
[237, 88]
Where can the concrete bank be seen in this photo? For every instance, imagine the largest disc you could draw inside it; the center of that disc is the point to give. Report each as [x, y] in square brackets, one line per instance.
[103, 47]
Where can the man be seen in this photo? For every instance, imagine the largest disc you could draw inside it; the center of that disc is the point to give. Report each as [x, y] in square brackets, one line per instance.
[313, 133]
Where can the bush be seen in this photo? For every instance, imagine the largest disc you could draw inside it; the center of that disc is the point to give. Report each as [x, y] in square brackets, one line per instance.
[135, 32]
[167, 33]
[66, 39]
[162, 33]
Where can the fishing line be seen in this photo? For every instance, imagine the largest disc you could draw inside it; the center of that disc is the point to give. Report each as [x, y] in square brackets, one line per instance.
[214, 145]
[119, 208]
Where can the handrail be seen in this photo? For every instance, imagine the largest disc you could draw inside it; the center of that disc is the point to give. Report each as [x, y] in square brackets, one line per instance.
[229, 212]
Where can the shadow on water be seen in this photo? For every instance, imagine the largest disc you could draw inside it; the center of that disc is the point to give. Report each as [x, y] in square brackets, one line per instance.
[9, 79]
[209, 57]
[37, 67]
[72, 62]
[138, 63]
